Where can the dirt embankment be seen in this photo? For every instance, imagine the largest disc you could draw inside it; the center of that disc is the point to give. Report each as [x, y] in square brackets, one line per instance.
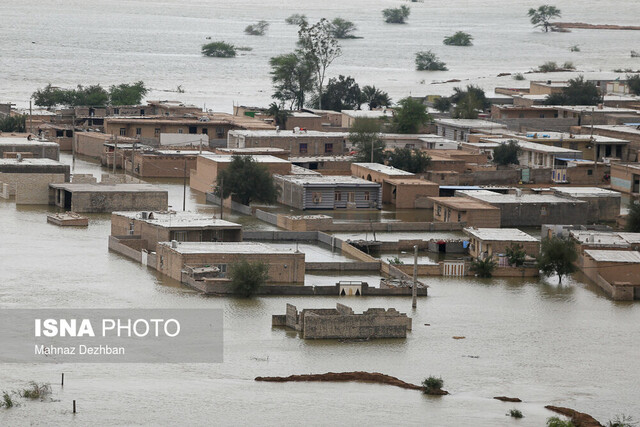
[369, 377]
[507, 399]
[579, 419]
[585, 26]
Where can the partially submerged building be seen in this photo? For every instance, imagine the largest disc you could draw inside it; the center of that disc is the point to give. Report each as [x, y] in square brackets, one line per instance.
[625, 177]
[108, 197]
[473, 213]
[204, 177]
[11, 146]
[603, 204]
[328, 192]
[532, 210]
[297, 142]
[154, 163]
[28, 179]
[342, 323]
[487, 242]
[175, 259]
[616, 272]
[151, 227]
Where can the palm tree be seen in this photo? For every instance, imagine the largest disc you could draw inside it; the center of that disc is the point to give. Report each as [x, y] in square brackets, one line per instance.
[279, 115]
[375, 97]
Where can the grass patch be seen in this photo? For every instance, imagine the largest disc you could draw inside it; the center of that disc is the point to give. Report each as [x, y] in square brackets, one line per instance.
[36, 391]
[7, 401]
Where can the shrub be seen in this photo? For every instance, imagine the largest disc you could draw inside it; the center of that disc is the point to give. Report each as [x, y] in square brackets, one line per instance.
[257, 29]
[575, 48]
[396, 15]
[548, 67]
[515, 254]
[432, 384]
[557, 422]
[518, 76]
[428, 61]
[296, 19]
[247, 277]
[483, 267]
[442, 104]
[507, 154]
[36, 390]
[219, 50]
[515, 413]
[395, 261]
[460, 38]
[568, 65]
[7, 401]
[343, 29]
[622, 420]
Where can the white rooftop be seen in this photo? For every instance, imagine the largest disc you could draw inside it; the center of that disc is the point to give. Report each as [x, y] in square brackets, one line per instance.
[470, 123]
[287, 134]
[620, 128]
[589, 109]
[500, 234]
[388, 170]
[260, 158]
[603, 238]
[586, 192]
[226, 248]
[24, 141]
[179, 219]
[614, 256]
[371, 114]
[551, 149]
[324, 180]
[492, 197]
[307, 159]
[30, 162]
[544, 135]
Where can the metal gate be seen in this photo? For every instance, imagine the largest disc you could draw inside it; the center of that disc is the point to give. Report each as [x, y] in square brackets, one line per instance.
[453, 268]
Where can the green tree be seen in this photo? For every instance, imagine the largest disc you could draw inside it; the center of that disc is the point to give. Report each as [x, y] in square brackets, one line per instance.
[507, 154]
[578, 92]
[91, 96]
[342, 93]
[343, 29]
[320, 48]
[633, 80]
[460, 38]
[375, 97]
[279, 115]
[410, 116]
[515, 254]
[483, 267]
[247, 277]
[296, 19]
[540, 17]
[557, 256]
[127, 94]
[460, 94]
[247, 180]
[468, 107]
[428, 61]
[442, 104]
[396, 15]
[364, 134]
[257, 29]
[633, 218]
[432, 384]
[410, 160]
[49, 96]
[14, 123]
[292, 77]
[219, 50]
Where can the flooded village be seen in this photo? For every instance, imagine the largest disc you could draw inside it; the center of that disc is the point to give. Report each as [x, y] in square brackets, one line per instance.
[486, 241]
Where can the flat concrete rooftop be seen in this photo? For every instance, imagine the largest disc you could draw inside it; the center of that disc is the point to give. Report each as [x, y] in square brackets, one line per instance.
[586, 192]
[25, 142]
[462, 203]
[322, 180]
[260, 158]
[500, 234]
[626, 257]
[179, 219]
[108, 188]
[388, 170]
[29, 162]
[226, 248]
[491, 197]
[288, 134]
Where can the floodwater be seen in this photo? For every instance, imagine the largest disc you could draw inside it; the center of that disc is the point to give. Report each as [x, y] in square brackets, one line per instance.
[545, 343]
[158, 41]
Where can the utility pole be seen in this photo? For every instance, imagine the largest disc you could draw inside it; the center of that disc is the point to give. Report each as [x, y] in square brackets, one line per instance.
[414, 290]
[30, 117]
[115, 149]
[595, 147]
[221, 196]
[184, 186]
[133, 150]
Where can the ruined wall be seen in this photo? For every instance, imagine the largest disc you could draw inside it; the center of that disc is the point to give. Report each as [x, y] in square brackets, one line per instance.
[119, 201]
[373, 323]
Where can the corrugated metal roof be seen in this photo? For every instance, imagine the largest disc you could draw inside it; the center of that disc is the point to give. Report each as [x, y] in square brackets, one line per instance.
[614, 256]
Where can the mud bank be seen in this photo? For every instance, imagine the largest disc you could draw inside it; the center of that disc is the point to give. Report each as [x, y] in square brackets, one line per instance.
[584, 26]
[369, 377]
[579, 419]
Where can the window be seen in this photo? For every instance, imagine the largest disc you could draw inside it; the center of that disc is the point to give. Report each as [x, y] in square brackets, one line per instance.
[156, 131]
[193, 129]
[59, 133]
[542, 116]
[303, 148]
[438, 210]
[123, 131]
[573, 145]
[337, 196]
[138, 131]
[589, 171]
[142, 111]
[69, 133]
[180, 130]
[220, 132]
[223, 269]
[521, 116]
[459, 217]
[328, 148]
[316, 197]
[367, 195]
[352, 197]
[116, 111]
[180, 236]
[543, 211]
[205, 131]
